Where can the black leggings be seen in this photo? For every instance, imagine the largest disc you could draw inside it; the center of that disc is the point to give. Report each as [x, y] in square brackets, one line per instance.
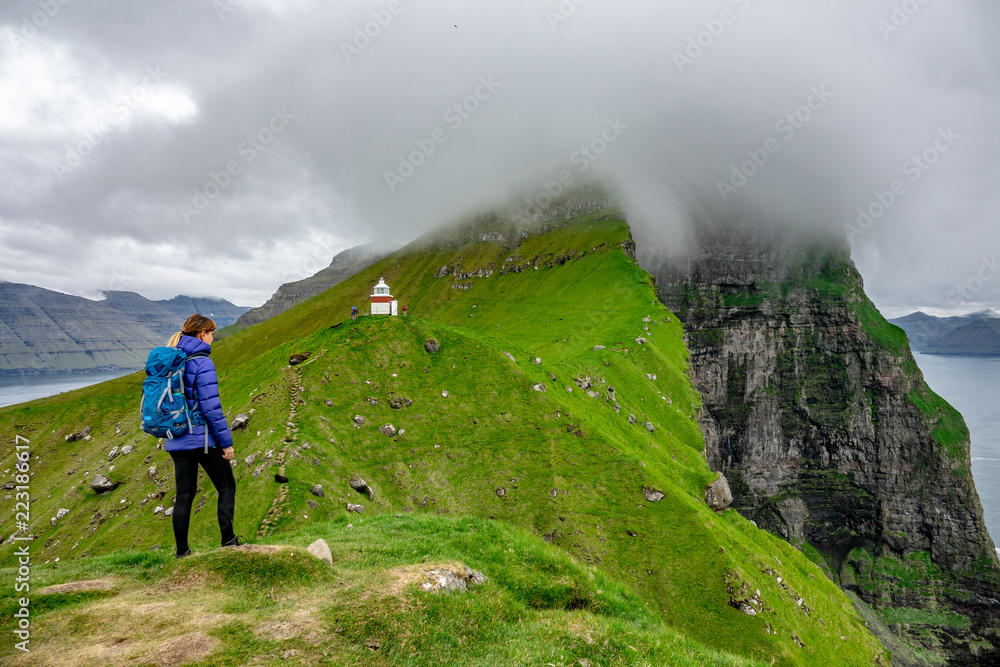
[220, 471]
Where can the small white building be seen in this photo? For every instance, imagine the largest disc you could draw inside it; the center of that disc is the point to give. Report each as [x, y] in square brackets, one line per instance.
[383, 302]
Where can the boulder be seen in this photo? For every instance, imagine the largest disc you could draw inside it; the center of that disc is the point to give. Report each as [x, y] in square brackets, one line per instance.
[250, 460]
[396, 403]
[652, 495]
[320, 549]
[538, 386]
[127, 449]
[443, 580]
[296, 359]
[598, 348]
[280, 479]
[650, 427]
[718, 495]
[432, 346]
[312, 504]
[351, 507]
[387, 430]
[317, 490]
[359, 420]
[168, 512]
[79, 435]
[102, 484]
[328, 403]
[239, 421]
[445, 393]
[113, 454]
[361, 486]
[538, 361]
[61, 513]
[640, 341]
[407, 402]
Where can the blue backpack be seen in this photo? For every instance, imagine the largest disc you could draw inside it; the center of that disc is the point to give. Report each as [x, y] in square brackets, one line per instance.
[165, 412]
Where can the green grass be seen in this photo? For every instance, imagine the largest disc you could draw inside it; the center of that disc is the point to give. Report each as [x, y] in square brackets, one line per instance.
[539, 606]
[571, 466]
[948, 427]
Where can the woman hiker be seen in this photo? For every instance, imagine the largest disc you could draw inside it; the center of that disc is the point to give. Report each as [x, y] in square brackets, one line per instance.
[208, 443]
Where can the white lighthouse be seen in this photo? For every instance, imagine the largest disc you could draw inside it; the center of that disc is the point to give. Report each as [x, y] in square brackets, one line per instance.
[382, 301]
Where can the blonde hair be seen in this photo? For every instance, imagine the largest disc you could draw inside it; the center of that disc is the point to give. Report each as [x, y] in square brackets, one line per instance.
[193, 326]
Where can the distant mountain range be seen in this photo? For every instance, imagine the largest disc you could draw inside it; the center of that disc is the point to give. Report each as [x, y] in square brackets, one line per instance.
[976, 334]
[42, 331]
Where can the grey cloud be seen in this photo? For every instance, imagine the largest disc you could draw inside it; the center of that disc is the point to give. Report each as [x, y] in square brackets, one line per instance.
[693, 113]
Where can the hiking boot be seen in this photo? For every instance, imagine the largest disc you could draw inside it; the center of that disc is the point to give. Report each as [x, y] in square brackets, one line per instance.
[236, 542]
[186, 553]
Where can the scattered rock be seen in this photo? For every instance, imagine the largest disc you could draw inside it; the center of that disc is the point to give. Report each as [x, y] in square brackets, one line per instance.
[372, 401]
[501, 492]
[321, 550]
[359, 420]
[296, 359]
[159, 509]
[387, 430]
[650, 427]
[444, 581]
[312, 504]
[396, 403]
[102, 484]
[361, 486]
[373, 644]
[328, 403]
[280, 479]
[651, 376]
[592, 393]
[509, 356]
[259, 469]
[317, 490]
[79, 435]
[538, 361]
[598, 348]
[432, 346]
[632, 419]
[152, 475]
[444, 393]
[538, 386]
[127, 449]
[718, 495]
[351, 507]
[652, 495]
[569, 389]
[250, 460]
[168, 512]
[316, 462]
[240, 421]
[407, 402]
[647, 319]
[113, 454]
[632, 533]
[640, 341]
[61, 513]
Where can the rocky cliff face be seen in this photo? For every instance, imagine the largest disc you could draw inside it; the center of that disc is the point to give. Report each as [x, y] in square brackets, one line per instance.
[816, 412]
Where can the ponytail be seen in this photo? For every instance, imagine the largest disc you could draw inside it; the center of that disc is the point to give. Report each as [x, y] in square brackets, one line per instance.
[193, 326]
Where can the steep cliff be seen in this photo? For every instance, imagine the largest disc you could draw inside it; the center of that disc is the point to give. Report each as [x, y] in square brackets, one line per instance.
[816, 412]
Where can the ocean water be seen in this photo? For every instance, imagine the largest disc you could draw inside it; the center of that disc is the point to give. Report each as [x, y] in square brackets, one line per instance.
[972, 385]
[23, 388]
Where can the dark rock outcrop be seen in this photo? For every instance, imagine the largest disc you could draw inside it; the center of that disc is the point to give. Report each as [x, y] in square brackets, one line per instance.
[816, 412]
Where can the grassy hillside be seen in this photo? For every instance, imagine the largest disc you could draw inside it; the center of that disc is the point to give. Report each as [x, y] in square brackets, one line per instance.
[500, 424]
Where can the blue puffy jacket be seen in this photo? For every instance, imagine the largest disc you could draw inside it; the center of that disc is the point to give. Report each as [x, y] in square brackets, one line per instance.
[199, 373]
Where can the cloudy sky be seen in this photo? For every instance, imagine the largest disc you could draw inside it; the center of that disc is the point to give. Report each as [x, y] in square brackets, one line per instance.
[222, 147]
